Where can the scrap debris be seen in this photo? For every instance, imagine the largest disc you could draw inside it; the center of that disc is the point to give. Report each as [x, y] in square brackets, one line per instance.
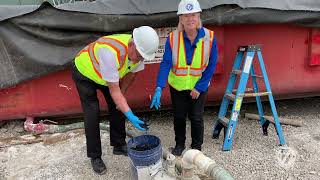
[25, 139]
[41, 127]
[47, 133]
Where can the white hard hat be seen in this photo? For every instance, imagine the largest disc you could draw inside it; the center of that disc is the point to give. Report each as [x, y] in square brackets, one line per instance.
[188, 6]
[146, 40]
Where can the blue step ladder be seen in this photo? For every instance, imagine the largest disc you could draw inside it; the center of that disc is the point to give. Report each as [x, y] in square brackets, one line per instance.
[229, 124]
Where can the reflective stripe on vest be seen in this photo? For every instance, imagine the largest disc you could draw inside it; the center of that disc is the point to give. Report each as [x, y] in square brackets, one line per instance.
[116, 45]
[88, 63]
[175, 41]
[95, 63]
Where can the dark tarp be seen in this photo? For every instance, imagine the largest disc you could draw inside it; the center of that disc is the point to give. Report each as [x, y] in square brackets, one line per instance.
[35, 41]
[152, 6]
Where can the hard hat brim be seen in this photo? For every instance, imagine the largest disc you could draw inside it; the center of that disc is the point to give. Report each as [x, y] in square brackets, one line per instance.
[189, 12]
[146, 56]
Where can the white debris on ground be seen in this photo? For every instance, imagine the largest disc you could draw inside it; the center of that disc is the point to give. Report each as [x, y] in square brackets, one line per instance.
[253, 155]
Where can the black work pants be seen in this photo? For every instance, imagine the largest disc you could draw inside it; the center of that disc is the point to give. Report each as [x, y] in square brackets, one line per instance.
[87, 90]
[184, 106]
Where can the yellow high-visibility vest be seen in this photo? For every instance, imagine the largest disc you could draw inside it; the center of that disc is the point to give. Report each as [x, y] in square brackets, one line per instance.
[88, 64]
[183, 76]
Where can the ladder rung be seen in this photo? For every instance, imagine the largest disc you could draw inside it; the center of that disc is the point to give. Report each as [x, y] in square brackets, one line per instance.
[237, 72]
[256, 47]
[224, 121]
[256, 94]
[247, 90]
[258, 76]
[230, 96]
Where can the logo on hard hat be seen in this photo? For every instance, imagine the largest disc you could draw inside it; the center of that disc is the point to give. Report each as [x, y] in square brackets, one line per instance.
[189, 7]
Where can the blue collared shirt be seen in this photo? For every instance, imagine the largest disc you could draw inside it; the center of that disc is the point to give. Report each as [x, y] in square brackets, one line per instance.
[166, 64]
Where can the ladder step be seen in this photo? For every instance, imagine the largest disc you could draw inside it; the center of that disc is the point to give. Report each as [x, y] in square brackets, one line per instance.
[256, 94]
[258, 76]
[224, 121]
[237, 72]
[230, 96]
[256, 47]
[247, 90]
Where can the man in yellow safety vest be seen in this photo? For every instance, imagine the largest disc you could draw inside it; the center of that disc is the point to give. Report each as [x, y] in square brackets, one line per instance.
[110, 65]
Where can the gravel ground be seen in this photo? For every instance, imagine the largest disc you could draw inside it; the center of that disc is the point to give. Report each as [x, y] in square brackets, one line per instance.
[253, 156]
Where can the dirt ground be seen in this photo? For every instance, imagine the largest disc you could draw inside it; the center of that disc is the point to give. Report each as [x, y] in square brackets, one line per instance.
[253, 155]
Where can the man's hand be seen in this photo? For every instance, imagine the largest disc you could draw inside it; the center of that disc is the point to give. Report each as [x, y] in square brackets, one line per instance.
[194, 94]
[135, 121]
[156, 98]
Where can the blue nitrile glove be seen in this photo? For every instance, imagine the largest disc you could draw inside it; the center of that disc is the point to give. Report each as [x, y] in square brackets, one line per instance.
[135, 121]
[156, 98]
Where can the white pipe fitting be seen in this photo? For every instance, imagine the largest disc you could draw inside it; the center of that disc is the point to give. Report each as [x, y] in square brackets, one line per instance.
[197, 158]
[188, 171]
[206, 164]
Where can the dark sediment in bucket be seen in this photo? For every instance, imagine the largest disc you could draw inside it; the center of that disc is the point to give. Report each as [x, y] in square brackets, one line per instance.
[144, 150]
[143, 147]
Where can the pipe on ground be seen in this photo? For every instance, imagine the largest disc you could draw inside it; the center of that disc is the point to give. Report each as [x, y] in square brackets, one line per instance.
[202, 162]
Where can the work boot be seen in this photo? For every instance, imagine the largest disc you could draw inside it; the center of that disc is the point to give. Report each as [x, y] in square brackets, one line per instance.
[177, 150]
[265, 128]
[217, 129]
[120, 150]
[98, 165]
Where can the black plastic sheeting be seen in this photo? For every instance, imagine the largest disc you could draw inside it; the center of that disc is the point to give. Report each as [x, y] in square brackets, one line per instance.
[147, 7]
[47, 39]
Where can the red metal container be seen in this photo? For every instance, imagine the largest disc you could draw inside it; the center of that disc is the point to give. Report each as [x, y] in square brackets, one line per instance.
[291, 55]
